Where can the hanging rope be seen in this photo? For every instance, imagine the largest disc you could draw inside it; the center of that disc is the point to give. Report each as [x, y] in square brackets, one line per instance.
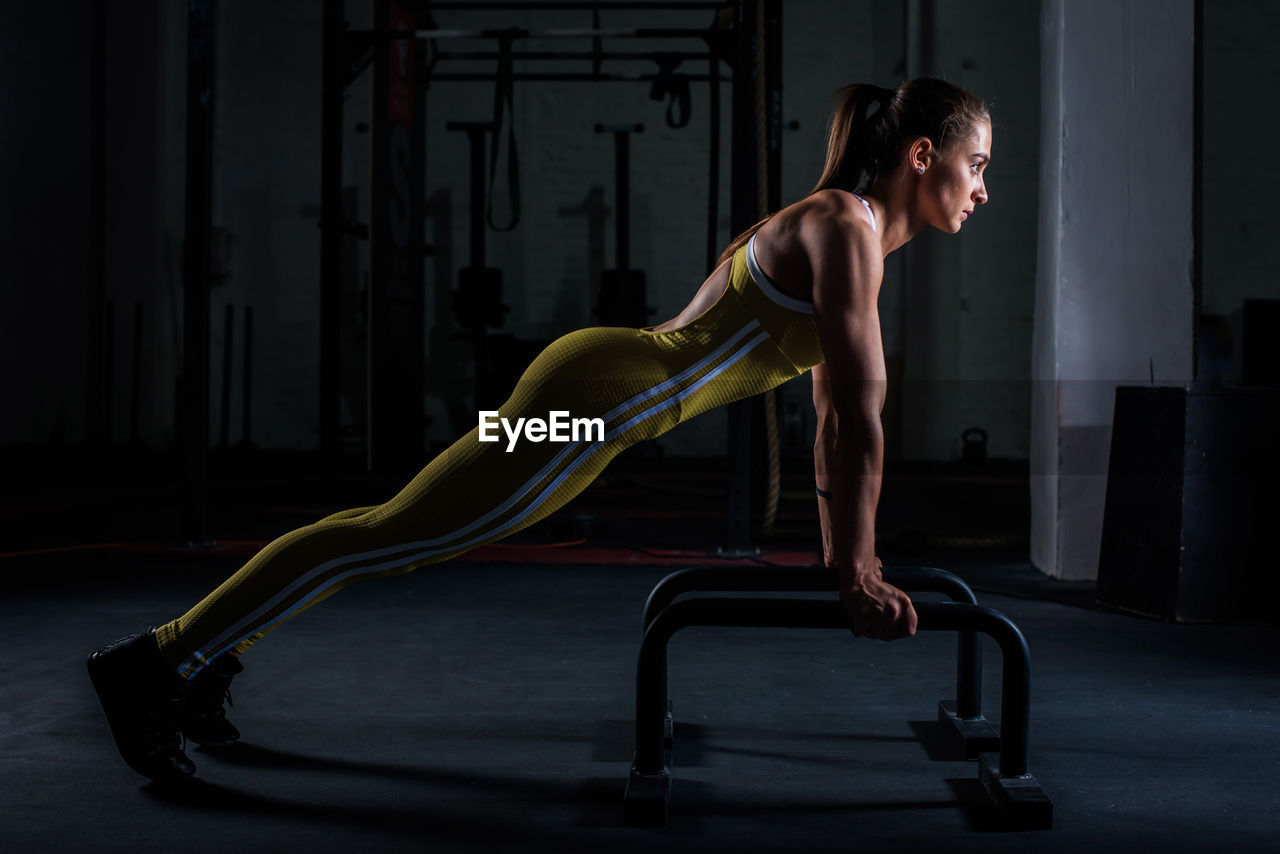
[762, 210]
[666, 81]
[713, 171]
[504, 111]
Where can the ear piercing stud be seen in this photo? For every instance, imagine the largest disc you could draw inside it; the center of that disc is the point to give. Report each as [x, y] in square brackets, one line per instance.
[920, 170]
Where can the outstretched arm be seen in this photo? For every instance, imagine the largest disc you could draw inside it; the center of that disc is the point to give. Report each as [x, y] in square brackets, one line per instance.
[848, 453]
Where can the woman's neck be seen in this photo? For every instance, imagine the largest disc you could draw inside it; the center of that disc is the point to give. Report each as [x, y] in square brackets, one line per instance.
[896, 221]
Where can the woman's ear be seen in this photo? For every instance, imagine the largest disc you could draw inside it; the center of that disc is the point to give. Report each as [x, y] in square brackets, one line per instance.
[921, 155]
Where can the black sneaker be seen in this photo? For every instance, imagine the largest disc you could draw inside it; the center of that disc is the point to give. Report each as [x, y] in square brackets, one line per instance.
[143, 700]
[205, 720]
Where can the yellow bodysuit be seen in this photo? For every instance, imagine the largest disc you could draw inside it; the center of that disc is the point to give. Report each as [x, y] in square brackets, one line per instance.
[639, 382]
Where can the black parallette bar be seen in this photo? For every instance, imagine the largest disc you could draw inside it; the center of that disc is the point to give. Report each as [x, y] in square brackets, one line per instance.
[651, 700]
[821, 578]
[813, 579]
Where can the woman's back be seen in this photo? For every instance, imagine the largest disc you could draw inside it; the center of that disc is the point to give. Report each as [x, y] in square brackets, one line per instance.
[784, 249]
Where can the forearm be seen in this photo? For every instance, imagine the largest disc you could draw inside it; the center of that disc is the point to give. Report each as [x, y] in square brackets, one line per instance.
[848, 467]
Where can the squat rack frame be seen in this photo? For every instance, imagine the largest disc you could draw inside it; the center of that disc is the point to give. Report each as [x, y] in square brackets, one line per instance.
[752, 50]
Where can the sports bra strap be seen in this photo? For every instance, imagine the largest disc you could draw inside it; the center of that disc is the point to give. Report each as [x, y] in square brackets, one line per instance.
[870, 212]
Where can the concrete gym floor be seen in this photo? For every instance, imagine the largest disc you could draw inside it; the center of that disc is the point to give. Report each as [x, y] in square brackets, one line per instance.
[488, 707]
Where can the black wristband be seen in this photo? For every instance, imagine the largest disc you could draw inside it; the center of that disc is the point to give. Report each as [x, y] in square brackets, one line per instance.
[822, 493]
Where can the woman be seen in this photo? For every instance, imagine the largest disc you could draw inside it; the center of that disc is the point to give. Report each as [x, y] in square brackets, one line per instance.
[795, 292]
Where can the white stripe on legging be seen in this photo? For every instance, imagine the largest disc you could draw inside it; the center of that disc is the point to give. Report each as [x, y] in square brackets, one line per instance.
[221, 645]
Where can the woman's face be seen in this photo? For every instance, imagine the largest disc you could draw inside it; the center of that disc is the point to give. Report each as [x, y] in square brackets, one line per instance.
[952, 186]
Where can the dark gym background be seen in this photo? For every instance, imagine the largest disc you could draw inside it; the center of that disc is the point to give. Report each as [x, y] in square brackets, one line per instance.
[1081, 421]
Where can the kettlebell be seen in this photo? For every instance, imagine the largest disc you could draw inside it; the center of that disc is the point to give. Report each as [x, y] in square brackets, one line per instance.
[975, 445]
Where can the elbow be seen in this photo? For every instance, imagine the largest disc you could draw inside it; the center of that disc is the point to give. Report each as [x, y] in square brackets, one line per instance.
[851, 435]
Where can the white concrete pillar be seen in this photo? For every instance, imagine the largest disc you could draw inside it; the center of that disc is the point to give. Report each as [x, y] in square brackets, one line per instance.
[1113, 286]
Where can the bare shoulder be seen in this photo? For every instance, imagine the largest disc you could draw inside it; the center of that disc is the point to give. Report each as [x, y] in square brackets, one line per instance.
[816, 239]
[843, 249]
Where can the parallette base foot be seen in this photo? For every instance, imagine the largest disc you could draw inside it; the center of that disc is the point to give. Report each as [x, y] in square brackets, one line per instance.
[1021, 800]
[646, 799]
[973, 736]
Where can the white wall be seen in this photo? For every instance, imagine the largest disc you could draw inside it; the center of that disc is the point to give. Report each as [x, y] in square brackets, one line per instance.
[1114, 292]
